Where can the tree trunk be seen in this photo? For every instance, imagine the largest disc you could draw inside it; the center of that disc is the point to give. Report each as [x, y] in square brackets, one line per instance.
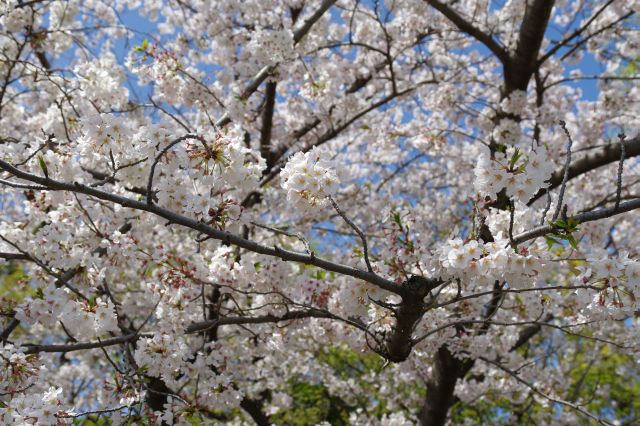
[446, 371]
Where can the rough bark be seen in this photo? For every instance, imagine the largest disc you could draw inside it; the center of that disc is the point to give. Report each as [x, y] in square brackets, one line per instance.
[447, 369]
[523, 63]
[254, 409]
[408, 314]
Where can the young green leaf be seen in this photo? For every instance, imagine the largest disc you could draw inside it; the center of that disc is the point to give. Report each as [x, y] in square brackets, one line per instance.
[43, 166]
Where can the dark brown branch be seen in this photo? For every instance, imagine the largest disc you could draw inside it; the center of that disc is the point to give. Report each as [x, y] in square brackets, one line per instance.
[254, 409]
[13, 324]
[268, 70]
[14, 256]
[409, 313]
[32, 349]
[205, 229]
[579, 218]
[522, 65]
[471, 30]
[447, 369]
[193, 328]
[267, 124]
[266, 319]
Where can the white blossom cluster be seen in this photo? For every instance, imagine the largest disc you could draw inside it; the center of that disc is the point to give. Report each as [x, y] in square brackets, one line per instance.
[483, 263]
[13, 18]
[309, 178]
[508, 132]
[215, 164]
[162, 355]
[619, 278]
[22, 400]
[515, 103]
[522, 176]
[93, 319]
[270, 47]
[37, 408]
[18, 370]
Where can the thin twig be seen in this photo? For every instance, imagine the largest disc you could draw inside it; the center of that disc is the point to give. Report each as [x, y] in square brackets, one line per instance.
[159, 156]
[512, 214]
[621, 137]
[88, 413]
[22, 185]
[285, 233]
[544, 395]
[565, 176]
[546, 208]
[589, 216]
[353, 226]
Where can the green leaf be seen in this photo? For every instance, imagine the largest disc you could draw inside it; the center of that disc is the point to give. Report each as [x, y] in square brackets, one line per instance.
[558, 224]
[397, 219]
[572, 241]
[515, 157]
[39, 294]
[551, 241]
[43, 166]
[573, 223]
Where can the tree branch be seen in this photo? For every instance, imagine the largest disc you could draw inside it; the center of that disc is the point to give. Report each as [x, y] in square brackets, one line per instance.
[544, 395]
[589, 216]
[468, 28]
[365, 247]
[205, 229]
[606, 155]
[267, 124]
[268, 70]
[523, 63]
[575, 34]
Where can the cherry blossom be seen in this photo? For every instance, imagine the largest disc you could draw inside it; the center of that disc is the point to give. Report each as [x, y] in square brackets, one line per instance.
[212, 212]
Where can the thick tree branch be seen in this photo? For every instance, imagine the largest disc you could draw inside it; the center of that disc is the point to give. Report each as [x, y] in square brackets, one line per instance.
[14, 256]
[400, 342]
[254, 409]
[523, 63]
[193, 328]
[267, 124]
[446, 371]
[589, 216]
[205, 229]
[32, 349]
[265, 319]
[13, 324]
[471, 30]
